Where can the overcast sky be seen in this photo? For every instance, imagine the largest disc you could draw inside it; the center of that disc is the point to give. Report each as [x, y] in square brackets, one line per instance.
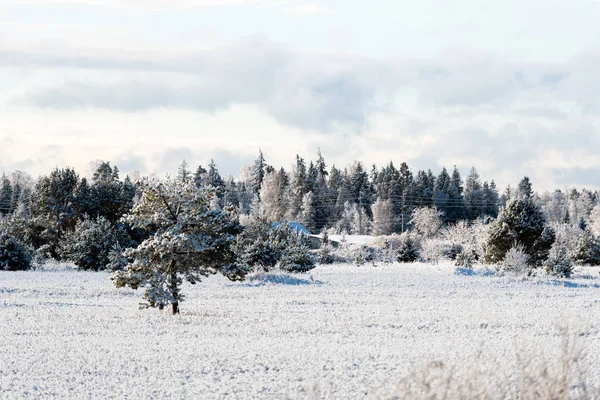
[510, 87]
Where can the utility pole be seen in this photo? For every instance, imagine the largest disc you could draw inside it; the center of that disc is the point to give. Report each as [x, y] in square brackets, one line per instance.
[402, 214]
[360, 224]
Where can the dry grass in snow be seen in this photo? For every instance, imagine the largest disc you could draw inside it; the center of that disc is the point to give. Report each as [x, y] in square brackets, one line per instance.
[395, 331]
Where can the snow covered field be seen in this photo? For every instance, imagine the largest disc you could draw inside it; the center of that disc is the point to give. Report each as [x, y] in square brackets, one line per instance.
[339, 332]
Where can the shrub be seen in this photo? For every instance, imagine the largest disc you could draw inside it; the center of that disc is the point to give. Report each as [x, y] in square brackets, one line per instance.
[325, 253]
[257, 246]
[433, 250]
[559, 263]
[586, 249]
[14, 255]
[409, 245]
[515, 261]
[363, 254]
[295, 253]
[465, 259]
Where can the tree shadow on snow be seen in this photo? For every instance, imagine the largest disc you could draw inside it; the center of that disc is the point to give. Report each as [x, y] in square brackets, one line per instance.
[474, 272]
[279, 279]
[570, 284]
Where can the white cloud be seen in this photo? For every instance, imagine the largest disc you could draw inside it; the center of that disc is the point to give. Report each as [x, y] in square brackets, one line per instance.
[506, 119]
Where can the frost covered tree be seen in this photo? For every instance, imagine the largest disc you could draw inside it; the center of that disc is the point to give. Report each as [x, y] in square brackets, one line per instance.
[558, 263]
[520, 223]
[257, 246]
[190, 240]
[258, 172]
[14, 255]
[6, 196]
[273, 201]
[426, 221]
[586, 249]
[525, 189]
[475, 201]
[308, 215]
[54, 207]
[383, 217]
[594, 224]
[90, 244]
[183, 172]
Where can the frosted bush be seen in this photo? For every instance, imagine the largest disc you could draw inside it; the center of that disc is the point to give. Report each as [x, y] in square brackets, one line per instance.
[465, 259]
[386, 248]
[559, 263]
[14, 255]
[433, 250]
[515, 262]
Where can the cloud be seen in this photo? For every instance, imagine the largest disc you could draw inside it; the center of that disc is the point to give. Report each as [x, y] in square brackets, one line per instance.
[321, 96]
[586, 177]
[505, 118]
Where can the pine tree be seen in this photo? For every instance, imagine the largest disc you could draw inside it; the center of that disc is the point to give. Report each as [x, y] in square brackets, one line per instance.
[298, 188]
[309, 213]
[595, 220]
[475, 201]
[6, 196]
[90, 244]
[14, 255]
[258, 172]
[522, 223]
[190, 240]
[183, 172]
[200, 177]
[586, 249]
[54, 207]
[525, 190]
[320, 165]
[490, 198]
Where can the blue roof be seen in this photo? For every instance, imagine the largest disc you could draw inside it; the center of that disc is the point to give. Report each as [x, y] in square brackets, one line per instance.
[296, 226]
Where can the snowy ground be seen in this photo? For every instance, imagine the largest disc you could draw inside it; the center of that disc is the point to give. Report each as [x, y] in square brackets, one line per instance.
[340, 332]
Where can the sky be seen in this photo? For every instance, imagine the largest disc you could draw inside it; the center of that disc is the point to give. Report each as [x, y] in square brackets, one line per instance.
[509, 87]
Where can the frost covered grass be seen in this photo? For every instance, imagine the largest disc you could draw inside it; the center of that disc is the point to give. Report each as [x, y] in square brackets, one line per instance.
[340, 331]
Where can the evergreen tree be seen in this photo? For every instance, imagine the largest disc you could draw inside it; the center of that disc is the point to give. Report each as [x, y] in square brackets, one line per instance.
[522, 223]
[190, 240]
[14, 255]
[586, 249]
[309, 213]
[298, 188]
[475, 201]
[320, 165]
[53, 207]
[525, 190]
[108, 197]
[258, 172]
[183, 172]
[200, 177]
[214, 178]
[490, 198]
[90, 244]
[6, 196]
[258, 245]
[441, 193]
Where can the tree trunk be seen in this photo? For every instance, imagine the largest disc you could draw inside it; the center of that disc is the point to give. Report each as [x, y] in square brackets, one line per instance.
[174, 289]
